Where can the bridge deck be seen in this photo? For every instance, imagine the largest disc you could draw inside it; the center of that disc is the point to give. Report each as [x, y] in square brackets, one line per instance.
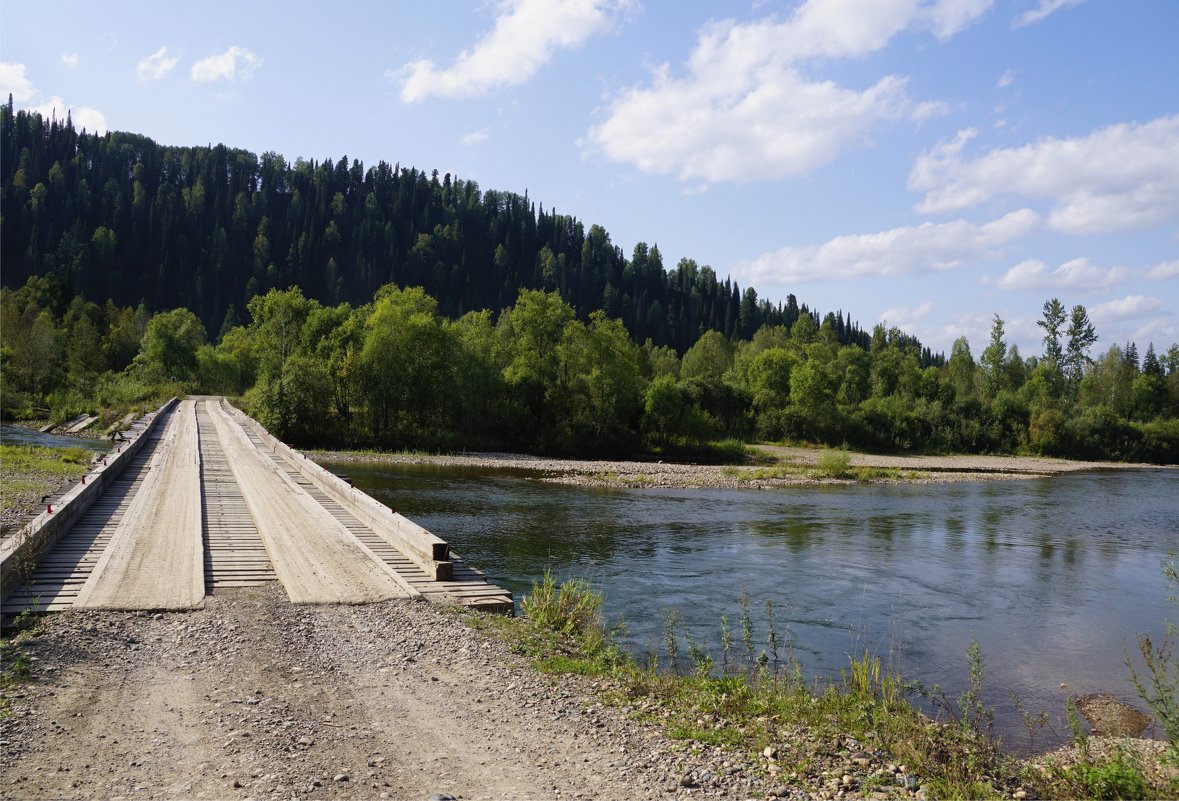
[287, 530]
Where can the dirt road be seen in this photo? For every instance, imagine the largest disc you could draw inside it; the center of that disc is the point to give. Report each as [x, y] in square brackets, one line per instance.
[253, 697]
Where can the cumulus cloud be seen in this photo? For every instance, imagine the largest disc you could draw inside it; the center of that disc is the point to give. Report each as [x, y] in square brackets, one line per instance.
[155, 66]
[1046, 7]
[899, 251]
[906, 318]
[82, 116]
[475, 137]
[14, 81]
[1078, 274]
[526, 36]
[1118, 178]
[1164, 271]
[236, 63]
[744, 110]
[69, 59]
[1127, 308]
[1160, 328]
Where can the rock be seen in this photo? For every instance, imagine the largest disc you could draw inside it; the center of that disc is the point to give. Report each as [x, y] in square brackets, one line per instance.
[1112, 717]
[441, 797]
[1020, 794]
[340, 777]
[687, 781]
[304, 740]
[770, 752]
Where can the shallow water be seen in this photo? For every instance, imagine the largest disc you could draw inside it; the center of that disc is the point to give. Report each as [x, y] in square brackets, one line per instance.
[1053, 577]
[13, 435]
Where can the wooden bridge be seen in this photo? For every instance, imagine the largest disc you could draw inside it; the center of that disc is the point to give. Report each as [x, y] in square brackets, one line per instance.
[199, 498]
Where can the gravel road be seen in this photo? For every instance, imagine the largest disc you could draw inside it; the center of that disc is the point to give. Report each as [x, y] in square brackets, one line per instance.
[253, 697]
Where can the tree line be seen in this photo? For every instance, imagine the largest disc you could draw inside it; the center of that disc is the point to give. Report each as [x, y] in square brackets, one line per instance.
[395, 372]
[119, 216]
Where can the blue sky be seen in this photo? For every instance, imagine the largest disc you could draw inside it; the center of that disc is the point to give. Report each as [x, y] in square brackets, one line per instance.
[928, 163]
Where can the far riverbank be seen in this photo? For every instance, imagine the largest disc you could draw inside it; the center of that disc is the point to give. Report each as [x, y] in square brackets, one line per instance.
[771, 466]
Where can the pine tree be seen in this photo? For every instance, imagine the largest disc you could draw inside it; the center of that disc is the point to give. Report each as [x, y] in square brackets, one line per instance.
[1081, 337]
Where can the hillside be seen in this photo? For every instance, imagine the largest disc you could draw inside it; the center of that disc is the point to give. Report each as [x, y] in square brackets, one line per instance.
[119, 216]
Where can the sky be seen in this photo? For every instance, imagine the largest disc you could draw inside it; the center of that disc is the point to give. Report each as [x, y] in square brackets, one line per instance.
[923, 163]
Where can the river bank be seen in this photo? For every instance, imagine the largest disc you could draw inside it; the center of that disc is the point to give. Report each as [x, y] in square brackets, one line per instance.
[774, 466]
[253, 697]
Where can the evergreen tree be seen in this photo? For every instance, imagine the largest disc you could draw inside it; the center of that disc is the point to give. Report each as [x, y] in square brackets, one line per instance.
[1081, 337]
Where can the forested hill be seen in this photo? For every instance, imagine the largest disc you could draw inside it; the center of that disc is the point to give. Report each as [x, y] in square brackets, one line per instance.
[119, 216]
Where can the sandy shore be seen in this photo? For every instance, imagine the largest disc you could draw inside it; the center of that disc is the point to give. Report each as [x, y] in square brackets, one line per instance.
[780, 466]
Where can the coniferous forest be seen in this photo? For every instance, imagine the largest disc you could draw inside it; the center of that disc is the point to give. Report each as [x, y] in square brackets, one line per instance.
[391, 307]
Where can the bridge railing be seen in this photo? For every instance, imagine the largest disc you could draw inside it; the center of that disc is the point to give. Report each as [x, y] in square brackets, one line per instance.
[19, 553]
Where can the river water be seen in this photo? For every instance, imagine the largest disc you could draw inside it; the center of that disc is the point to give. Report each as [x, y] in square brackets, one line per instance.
[1053, 577]
[14, 435]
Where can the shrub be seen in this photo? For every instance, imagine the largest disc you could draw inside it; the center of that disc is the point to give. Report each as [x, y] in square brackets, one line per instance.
[834, 464]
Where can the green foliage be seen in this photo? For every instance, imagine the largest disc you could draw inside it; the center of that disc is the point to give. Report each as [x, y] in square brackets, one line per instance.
[1117, 778]
[1158, 683]
[571, 608]
[548, 363]
[833, 464]
[170, 345]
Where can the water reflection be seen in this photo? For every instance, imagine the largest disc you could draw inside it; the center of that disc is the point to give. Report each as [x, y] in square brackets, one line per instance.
[1051, 577]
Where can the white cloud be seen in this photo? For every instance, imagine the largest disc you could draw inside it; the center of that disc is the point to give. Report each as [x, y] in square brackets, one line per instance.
[744, 110]
[14, 81]
[236, 63]
[69, 59]
[906, 318]
[1128, 307]
[475, 137]
[527, 34]
[900, 251]
[155, 66]
[1118, 178]
[1005, 80]
[82, 116]
[1078, 274]
[1161, 329]
[1045, 8]
[1163, 271]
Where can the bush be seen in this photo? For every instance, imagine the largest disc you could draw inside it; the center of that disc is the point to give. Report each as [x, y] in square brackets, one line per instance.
[572, 609]
[834, 464]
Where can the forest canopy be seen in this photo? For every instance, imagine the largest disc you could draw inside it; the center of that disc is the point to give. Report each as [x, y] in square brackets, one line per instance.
[392, 308]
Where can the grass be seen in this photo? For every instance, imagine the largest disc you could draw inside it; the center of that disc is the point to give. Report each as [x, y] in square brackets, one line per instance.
[57, 462]
[28, 470]
[748, 703]
[831, 468]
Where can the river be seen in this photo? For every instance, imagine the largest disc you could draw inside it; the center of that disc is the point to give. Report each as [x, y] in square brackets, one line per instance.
[14, 435]
[1053, 577]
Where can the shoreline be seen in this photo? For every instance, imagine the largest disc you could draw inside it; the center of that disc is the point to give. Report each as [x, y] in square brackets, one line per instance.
[790, 466]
